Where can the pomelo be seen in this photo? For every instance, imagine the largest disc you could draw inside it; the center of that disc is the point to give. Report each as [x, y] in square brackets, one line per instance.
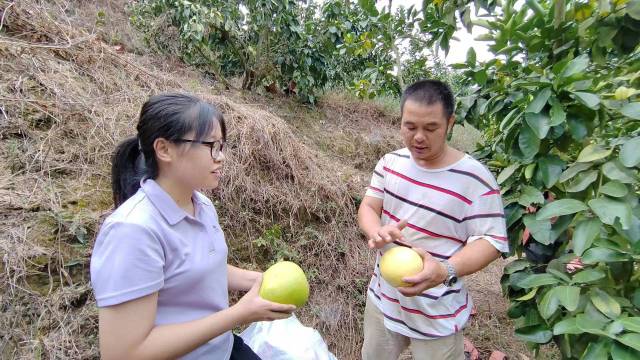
[285, 283]
[400, 262]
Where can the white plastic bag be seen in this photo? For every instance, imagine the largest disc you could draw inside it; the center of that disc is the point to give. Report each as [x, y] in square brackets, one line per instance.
[286, 339]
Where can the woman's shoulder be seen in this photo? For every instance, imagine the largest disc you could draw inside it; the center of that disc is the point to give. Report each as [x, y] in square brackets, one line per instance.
[137, 211]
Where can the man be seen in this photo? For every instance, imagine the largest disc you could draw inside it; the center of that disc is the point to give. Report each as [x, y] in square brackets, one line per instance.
[447, 206]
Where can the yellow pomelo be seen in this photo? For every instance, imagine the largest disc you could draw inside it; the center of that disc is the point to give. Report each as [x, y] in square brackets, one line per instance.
[285, 283]
[400, 262]
[623, 93]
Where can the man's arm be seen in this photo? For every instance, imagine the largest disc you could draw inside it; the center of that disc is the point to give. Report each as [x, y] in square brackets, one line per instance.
[369, 216]
[474, 257]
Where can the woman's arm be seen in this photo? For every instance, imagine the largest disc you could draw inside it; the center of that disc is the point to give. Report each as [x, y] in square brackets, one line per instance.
[240, 279]
[127, 330]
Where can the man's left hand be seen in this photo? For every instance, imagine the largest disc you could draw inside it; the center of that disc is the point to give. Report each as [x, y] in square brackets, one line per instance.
[433, 274]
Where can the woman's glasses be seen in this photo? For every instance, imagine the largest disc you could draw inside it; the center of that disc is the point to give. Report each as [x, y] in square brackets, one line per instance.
[215, 146]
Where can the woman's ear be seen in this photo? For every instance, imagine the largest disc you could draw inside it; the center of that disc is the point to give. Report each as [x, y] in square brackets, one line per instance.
[163, 149]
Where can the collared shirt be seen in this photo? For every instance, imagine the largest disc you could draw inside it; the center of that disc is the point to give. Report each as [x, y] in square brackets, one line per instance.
[446, 209]
[149, 244]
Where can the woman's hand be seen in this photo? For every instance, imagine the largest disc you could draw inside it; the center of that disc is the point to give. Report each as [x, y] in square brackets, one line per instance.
[253, 308]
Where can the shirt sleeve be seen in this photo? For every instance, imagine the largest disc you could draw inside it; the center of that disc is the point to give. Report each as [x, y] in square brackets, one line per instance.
[376, 186]
[127, 263]
[486, 220]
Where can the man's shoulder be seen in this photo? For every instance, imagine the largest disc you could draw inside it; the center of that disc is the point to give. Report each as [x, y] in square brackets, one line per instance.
[473, 170]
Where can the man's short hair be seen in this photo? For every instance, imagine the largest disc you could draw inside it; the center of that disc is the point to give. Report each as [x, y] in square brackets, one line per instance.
[429, 92]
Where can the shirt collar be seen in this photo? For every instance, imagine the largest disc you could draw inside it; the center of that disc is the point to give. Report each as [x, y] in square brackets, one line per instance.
[164, 202]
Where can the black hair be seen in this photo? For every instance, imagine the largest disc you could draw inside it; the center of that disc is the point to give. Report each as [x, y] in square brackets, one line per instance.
[429, 92]
[169, 116]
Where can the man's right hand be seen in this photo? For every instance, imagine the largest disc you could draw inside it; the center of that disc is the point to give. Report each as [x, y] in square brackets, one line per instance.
[386, 234]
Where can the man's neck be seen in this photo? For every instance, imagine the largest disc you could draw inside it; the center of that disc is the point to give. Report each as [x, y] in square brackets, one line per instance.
[447, 157]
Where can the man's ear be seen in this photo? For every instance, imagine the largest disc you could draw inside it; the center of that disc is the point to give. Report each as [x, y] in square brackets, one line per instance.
[450, 123]
[162, 149]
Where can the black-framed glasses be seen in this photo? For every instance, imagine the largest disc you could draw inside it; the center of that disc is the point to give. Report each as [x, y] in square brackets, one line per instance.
[215, 146]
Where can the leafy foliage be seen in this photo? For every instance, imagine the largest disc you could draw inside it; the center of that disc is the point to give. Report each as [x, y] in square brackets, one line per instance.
[303, 48]
[560, 112]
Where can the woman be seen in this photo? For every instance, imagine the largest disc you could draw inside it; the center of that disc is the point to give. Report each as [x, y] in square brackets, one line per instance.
[159, 265]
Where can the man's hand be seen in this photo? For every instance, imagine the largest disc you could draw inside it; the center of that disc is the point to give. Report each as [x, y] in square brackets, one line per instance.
[386, 234]
[433, 274]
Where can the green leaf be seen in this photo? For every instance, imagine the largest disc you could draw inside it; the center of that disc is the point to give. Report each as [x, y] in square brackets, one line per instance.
[480, 77]
[528, 171]
[582, 181]
[597, 254]
[536, 280]
[631, 323]
[590, 325]
[558, 116]
[588, 275]
[369, 6]
[471, 57]
[550, 168]
[528, 141]
[560, 207]
[614, 170]
[633, 9]
[549, 304]
[539, 101]
[588, 99]
[569, 296]
[530, 195]
[577, 128]
[630, 152]
[573, 170]
[536, 334]
[593, 152]
[609, 209]
[540, 229]
[631, 340]
[621, 352]
[614, 188]
[539, 123]
[507, 172]
[566, 326]
[614, 328]
[529, 295]
[585, 232]
[515, 266]
[575, 66]
[596, 351]
[631, 110]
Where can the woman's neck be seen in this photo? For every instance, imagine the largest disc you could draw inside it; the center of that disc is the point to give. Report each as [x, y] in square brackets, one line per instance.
[179, 194]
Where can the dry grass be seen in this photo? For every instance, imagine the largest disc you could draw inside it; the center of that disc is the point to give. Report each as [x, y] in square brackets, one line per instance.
[67, 99]
[291, 186]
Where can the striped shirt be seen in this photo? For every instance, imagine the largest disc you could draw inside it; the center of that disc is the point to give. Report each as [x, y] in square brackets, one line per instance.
[446, 209]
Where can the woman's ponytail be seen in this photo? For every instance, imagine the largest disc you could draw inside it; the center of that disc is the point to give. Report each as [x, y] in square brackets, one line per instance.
[127, 169]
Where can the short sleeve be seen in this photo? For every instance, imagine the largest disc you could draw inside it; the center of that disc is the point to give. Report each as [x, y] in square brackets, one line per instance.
[486, 220]
[376, 186]
[127, 263]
